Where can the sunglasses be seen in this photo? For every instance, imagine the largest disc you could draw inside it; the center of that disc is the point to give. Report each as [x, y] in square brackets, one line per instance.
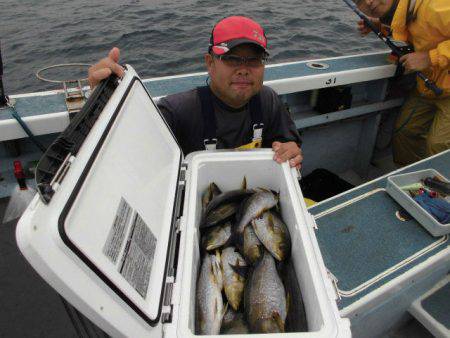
[236, 61]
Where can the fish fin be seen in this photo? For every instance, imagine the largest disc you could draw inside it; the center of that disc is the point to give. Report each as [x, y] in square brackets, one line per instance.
[210, 247]
[276, 316]
[244, 183]
[241, 270]
[270, 222]
[206, 240]
[215, 190]
[276, 194]
[218, 255]
[261, 255]
[210, 191]
[224, 311]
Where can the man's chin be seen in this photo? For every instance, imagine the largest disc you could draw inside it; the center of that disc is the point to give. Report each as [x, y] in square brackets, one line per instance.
[243, 97]
[243, 91]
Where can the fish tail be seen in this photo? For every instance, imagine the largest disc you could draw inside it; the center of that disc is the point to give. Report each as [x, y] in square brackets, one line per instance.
[278, 320]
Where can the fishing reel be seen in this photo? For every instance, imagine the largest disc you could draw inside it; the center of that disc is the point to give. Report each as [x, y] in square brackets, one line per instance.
[402, 48]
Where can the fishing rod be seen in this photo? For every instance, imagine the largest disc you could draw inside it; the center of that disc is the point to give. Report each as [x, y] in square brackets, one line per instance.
[398, 51]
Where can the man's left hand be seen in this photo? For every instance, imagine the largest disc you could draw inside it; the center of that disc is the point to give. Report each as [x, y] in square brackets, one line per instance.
[289, 151]
[416, 61]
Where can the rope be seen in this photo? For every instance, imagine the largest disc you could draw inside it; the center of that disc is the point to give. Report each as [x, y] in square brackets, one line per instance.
[27, 130]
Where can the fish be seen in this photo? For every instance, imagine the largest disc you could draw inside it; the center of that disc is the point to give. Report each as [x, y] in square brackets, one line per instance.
[229, 317]
[252, 248]
[233, 322]
[296, 317]
[217, 236]
[226, 197]
[233, 279]
[273, 234]
[221, 214]
[209, 304]
[210, 192]
[265, 302]
[254, 206]
[236, 327]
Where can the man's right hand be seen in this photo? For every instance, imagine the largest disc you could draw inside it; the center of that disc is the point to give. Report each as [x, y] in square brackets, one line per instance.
[364, 29]
[105, 67]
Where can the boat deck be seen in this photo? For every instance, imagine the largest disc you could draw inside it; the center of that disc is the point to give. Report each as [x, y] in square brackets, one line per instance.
[363, 243]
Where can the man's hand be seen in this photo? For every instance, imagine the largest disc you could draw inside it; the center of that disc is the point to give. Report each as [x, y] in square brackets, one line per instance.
[416, 61]
[105, 67]
[288, 151]
[364, 30]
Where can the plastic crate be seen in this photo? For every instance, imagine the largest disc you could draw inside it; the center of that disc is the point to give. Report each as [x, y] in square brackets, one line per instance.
[393, 187]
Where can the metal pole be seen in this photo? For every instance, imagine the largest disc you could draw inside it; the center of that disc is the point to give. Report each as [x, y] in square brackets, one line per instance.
[3, 98]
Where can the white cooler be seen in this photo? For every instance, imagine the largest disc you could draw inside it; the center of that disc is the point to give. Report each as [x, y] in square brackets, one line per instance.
[114, 229]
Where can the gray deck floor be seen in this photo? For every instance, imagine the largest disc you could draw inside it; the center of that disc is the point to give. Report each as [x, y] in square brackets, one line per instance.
[29, 306]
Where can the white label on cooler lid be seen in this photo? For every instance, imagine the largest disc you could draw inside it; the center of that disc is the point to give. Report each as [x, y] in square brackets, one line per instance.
[137, 259]
[117, 233]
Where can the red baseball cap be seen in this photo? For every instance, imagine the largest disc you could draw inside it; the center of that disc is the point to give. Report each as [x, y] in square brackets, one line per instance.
[236, 30]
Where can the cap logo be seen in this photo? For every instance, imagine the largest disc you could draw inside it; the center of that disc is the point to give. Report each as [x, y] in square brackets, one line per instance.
[258, 36]
[223, 46]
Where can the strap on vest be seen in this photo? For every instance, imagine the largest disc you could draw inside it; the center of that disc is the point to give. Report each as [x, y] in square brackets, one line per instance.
[256, 115]
[209, 117]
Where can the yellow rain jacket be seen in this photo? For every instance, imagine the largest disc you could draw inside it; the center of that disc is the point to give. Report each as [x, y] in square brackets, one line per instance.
[429, 31]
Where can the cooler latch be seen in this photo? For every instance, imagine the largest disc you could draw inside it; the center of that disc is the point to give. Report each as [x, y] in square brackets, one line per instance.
[334, 282]
[313, 221]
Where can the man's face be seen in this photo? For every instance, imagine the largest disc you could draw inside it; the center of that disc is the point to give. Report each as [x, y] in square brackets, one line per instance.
[375, 8]
[236, 83]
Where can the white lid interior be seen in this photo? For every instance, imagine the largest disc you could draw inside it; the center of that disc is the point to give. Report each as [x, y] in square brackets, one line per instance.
[120, 217]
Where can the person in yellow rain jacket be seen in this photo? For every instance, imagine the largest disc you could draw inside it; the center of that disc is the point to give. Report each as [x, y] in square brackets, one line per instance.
[423, 126]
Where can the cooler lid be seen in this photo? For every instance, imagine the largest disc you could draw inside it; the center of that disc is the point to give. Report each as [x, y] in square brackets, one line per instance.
[115, 207]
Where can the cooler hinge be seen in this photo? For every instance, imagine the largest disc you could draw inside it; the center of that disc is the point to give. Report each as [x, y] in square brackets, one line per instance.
[183, 170]
[334, 281]
[46, 190]
[167, 308]
[180, 195]
[71, 139]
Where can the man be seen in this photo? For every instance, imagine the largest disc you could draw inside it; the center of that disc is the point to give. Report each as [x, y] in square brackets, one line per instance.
[423, 126]
[235, 110]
